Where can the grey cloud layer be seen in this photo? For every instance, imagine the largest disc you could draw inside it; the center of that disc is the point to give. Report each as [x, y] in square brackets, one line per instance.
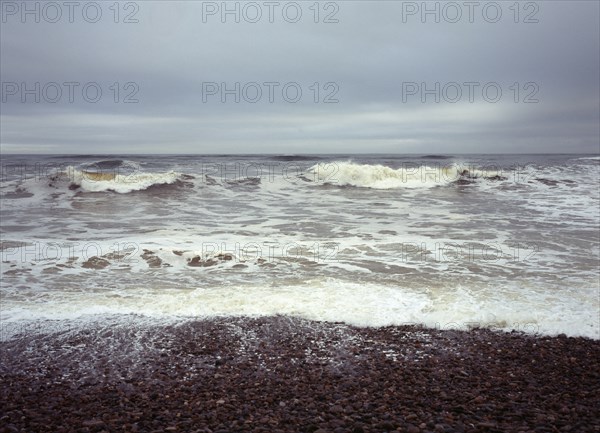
[368, 54]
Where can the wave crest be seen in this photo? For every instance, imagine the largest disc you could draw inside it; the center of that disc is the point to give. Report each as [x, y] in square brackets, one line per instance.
[382, 177]
[114, 180]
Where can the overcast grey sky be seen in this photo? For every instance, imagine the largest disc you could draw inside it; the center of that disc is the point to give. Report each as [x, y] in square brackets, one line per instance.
[185, 63]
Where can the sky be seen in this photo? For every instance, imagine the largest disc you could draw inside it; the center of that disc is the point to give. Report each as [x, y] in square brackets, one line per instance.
[299, 77]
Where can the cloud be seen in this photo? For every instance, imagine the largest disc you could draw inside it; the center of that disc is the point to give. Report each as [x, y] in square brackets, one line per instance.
[381, 79]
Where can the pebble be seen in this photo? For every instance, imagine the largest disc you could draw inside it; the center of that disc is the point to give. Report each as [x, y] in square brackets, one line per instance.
[280, 374]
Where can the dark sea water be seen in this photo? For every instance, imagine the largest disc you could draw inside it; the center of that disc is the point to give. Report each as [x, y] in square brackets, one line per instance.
[508, 242]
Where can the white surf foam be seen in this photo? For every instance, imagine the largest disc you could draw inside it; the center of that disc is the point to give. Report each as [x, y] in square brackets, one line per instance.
[329, 300]
[120, 183]
[378, 176]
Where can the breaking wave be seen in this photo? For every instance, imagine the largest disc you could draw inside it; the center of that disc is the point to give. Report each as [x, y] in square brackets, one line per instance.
[113, 175]
[594, 158]
[382, 177]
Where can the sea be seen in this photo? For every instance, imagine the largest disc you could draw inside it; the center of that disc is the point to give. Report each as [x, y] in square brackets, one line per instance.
[507, 242]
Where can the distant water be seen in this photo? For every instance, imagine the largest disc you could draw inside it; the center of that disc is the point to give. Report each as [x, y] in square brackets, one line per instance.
[508, 242]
